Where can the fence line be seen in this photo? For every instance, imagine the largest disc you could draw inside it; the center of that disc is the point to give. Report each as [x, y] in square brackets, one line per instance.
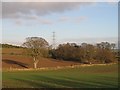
[56, 68]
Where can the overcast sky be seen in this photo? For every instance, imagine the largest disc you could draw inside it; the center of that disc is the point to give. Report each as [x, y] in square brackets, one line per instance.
[72, 22]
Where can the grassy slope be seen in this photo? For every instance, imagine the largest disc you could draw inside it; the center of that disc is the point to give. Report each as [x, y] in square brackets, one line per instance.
[93, 76]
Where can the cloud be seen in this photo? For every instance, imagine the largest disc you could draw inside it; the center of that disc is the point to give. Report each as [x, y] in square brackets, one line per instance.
[49, 0]
[35, 10]
[29, 17]
[91, 40]
[0, 9]
[80, 19]
[112, 1]
[19, 9]
[18, 22]
[63, 19]
[43, 21]
[60, 0]
[46, 21]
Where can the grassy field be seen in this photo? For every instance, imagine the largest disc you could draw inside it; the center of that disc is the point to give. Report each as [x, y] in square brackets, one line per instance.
[82, 77]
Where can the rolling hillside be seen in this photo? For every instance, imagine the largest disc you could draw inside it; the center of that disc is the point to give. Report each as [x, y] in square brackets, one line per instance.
[15, 58]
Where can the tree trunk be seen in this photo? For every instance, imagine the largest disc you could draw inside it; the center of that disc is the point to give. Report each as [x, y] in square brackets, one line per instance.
[35, 65]
[35, 62]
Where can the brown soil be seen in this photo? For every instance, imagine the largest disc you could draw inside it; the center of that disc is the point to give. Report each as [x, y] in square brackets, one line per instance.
[19, 61]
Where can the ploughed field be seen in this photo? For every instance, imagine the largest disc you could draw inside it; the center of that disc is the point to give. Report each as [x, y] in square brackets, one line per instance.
[97, 76]
[15, 58]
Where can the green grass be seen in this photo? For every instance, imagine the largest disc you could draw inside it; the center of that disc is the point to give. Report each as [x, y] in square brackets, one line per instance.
[82, 77]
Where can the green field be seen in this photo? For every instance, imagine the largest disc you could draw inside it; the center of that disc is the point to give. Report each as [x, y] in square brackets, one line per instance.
[82, 77]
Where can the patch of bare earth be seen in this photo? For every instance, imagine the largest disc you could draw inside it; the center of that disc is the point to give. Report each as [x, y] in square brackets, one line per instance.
[19, 61]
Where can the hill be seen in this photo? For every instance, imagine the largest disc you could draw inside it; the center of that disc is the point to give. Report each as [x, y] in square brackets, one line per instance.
[9, 46]
[15, 58]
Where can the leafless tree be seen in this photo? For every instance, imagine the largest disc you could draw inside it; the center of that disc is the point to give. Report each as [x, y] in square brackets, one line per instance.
[35, 48]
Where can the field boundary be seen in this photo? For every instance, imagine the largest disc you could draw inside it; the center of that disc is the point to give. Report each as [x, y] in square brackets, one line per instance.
[56, 68]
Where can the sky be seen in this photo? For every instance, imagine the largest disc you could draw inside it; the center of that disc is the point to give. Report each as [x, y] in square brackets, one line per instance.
[79, 22]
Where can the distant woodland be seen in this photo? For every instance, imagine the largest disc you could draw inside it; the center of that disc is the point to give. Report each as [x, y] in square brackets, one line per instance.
[103, 52]
[9, 46]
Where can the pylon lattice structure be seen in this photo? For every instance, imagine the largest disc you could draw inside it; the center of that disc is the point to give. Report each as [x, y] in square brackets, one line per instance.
[54, 43]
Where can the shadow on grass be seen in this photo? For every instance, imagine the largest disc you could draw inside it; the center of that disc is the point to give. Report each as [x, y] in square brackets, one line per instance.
[101, 81]
[15, 62]
[42, 81]
[47, 81]
[36, 83]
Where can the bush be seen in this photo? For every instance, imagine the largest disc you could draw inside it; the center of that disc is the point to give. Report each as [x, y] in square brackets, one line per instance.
[84, 53]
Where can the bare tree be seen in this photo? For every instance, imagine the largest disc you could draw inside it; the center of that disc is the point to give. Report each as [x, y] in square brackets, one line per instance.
[113, 45]
[35, 47]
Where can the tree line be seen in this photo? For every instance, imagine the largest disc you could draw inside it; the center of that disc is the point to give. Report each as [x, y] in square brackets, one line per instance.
[38, 47]
[9, 46]
[103, 52]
